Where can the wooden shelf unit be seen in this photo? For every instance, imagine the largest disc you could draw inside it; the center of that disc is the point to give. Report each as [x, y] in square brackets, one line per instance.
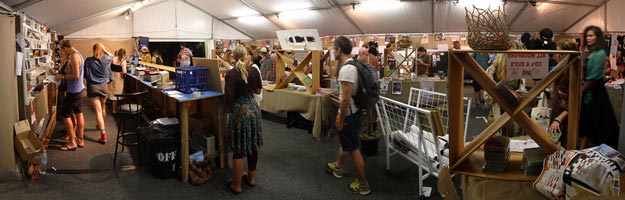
[299, 71]
[463, 159]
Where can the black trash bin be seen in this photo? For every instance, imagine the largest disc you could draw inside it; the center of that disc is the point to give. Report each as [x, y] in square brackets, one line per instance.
[164, 149]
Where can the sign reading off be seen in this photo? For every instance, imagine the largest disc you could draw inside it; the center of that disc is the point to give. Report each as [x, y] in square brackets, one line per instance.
[527, 65]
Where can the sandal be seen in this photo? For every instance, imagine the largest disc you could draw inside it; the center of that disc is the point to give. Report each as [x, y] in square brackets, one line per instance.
[67, 148]
[247, 181]
[78, 144]
[229, 186]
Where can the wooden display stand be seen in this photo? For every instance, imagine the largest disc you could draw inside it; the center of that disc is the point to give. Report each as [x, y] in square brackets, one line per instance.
[464, 159]
[299, 71]
[388, 54]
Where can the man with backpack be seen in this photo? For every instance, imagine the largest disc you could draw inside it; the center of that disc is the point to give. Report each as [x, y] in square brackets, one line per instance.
[356, 92]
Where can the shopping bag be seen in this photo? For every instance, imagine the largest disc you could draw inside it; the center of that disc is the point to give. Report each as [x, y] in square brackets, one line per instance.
[542, 113]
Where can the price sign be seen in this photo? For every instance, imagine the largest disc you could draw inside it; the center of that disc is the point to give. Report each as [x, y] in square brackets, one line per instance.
[527, 65]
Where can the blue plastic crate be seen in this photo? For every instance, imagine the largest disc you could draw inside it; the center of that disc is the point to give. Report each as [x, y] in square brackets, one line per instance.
[191, 78]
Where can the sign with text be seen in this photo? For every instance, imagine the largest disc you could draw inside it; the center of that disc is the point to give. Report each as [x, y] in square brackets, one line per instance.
[527, 65]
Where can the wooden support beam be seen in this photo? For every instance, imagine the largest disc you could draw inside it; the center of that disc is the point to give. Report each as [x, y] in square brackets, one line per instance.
[456, 105]
[575, 100]
[521, 118]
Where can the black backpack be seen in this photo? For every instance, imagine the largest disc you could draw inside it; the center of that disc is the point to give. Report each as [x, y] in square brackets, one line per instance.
[368, 91]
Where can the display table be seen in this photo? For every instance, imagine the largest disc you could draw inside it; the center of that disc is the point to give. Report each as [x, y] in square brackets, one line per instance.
[184, 101]
[312, 107]
[438, 84]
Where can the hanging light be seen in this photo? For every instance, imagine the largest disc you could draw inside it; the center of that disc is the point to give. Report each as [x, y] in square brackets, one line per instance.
[127, 15]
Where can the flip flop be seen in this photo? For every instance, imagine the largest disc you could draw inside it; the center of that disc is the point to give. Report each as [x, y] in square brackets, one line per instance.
[247, 181]
[66, 148]
[228, 185]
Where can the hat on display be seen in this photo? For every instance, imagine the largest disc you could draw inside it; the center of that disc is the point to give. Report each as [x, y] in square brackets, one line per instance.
[263, 50]
[145, 49]
[546, 34]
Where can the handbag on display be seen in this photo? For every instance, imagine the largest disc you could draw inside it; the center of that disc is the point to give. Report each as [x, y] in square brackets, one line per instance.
[542, 113]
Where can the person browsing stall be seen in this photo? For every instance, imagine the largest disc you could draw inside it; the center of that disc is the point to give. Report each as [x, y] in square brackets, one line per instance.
[597, 123]
[72, 103]
[184, 55]
[348, 120]
[98, 74]
[244, 120]
[423, 63]
[266, 68]
[145, 55]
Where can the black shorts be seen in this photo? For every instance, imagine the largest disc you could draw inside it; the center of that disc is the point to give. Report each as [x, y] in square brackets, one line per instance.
[94, 91]
[71, 105]
[349, 137]
[476, 86]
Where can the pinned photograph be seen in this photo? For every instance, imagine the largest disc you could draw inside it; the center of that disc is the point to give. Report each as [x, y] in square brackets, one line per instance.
[397, 88]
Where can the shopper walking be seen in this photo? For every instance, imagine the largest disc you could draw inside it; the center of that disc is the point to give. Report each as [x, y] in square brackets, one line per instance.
[597, 122]
[348, 120]
[184, 55]
[244, 121]
[72, 103]
[98, 74]
[118, 68]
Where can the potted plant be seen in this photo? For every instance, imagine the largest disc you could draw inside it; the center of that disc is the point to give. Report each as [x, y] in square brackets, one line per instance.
[370, 135]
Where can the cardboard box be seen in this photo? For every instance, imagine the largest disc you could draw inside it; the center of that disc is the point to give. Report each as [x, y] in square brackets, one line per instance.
[26, 142]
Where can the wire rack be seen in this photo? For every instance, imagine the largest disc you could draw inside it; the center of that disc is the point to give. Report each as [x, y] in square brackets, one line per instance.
[410, 132]
[435, 100]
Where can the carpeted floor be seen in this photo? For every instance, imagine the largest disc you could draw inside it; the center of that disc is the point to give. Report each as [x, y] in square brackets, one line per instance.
[291, 166]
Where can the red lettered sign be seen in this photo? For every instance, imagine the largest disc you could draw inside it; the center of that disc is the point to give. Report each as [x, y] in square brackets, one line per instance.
[527, 65]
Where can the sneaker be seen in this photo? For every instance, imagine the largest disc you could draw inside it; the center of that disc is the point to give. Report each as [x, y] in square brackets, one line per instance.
[336, 172]
[356, 188]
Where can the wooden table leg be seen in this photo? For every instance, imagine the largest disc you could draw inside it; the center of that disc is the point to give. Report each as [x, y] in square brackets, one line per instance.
[223, 153]
[455, 81]
[184, 140]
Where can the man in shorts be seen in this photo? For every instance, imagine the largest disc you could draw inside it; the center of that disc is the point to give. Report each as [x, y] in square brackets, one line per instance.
[98, 74]
[348, 120]
[72, 102]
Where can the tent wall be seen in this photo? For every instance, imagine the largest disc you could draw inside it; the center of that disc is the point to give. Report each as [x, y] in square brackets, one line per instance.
[85, 46]
[616, 16]
[596, 18]
[114, 28]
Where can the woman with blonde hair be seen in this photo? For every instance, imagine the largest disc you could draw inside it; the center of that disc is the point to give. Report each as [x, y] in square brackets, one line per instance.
[118, 68]
[244, 121]
[498, 71]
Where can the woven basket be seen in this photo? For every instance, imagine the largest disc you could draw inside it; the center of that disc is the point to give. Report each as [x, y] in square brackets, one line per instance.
[488, 29]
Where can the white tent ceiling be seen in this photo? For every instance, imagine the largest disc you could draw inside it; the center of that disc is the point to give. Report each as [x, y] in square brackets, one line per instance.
[259, 19]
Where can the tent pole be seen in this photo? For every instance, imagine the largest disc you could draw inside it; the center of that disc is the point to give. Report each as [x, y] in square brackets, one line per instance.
[605, 13]
[349, 19]
[94, 15]
[432, 14]
[556, 2]
[585, 15]
[25, 4]
[262, 14]
[518, 14]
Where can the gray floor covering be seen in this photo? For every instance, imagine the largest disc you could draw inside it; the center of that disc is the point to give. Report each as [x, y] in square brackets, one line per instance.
[291, 166]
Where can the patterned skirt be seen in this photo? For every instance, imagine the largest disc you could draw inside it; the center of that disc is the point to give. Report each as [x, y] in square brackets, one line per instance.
[244, 126]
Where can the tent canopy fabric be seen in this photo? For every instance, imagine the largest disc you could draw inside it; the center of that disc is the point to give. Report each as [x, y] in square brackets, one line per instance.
[260, 19]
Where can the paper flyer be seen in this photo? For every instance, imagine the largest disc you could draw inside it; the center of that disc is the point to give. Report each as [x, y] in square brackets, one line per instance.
[384, 85]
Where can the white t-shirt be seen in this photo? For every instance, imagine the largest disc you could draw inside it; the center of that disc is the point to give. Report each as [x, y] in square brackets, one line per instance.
[349, 73]
[258, 97]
